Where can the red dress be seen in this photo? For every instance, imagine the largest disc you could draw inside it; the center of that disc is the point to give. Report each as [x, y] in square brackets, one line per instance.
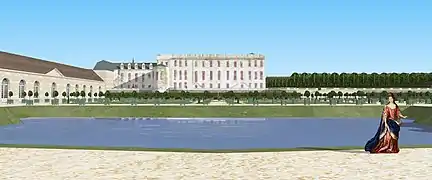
[388, 139]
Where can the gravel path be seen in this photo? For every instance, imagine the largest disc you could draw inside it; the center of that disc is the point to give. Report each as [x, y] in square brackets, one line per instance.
[40, 164]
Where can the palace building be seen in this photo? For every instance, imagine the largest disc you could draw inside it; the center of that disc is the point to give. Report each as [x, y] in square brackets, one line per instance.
[188, 72]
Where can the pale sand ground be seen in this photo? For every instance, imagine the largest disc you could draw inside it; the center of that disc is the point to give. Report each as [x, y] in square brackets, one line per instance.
[38, 164]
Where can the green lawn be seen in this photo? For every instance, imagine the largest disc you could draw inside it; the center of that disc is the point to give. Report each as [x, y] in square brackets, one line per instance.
[13, 114]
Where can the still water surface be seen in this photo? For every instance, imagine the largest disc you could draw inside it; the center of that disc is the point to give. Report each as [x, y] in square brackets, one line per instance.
[204, 133]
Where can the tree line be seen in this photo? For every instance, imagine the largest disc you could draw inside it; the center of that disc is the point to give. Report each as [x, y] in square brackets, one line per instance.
[351, 80]
[270, 94]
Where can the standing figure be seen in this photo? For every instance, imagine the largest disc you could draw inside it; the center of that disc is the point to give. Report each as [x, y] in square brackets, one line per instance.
[387, 136]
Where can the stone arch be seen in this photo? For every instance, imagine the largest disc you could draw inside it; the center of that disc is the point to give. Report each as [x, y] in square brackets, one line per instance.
[21, 88]
[5, 88]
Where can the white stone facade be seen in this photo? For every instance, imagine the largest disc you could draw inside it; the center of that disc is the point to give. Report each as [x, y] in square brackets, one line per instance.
[214, 72]
[19, 81]
[136, 77]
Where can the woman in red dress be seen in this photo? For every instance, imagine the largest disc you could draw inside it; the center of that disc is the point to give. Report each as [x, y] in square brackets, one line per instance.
[387, 136]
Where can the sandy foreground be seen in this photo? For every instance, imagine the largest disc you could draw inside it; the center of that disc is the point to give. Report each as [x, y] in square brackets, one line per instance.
[47, 164]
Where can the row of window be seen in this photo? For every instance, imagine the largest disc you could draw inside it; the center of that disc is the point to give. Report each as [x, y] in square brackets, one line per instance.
[135, 86]
[36, 87]
[219, 75]
[218, 63]
[218, 85]
[183, 75]
[143, 76]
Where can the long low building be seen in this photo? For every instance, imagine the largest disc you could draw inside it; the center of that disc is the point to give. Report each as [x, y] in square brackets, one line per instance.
[24, 74]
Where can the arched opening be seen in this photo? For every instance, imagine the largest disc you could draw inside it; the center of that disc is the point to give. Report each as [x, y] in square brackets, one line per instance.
[5, 88]
[21, 89]
[53, 88]
[36, 88]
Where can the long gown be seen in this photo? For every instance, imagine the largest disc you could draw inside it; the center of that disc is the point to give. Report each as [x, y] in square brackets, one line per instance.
[386, 138]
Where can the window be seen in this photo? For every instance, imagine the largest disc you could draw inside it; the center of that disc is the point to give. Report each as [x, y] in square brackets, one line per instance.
[53, 88]
[122, 77]
[211, 63]
[21, 89]
[203, 63]
[211, 75]
[211, 85]
[261, 63]
[241, 75]
[241, 64]
[136, 77]
[235, 75]
[219, 75]
[218, 86]
[185, 85]
[149, 76]
[175, 85]
[203, 75]
[218, 63]
[241, 86]
[227, 85]
[256, 85]
[185, 74]
[203, 85]
[255, 63]
[128, 86]
[175, 62]
[249, 63]
[261, 85]
[180, 63]
[180, 85]
[261, 75]
[129, 76]
[143, 77]
[36, 87]
[227, 64]
[196, 63]
[175, 74]
[196, 86]
[235, 63]
[157, 76]
[227, 75]
[149, 86]
[256, 75]
[180, 75]
[250, 75]
[250, 85]
[196, 76]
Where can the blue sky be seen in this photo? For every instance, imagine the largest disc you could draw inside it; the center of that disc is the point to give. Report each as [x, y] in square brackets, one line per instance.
[295, 35]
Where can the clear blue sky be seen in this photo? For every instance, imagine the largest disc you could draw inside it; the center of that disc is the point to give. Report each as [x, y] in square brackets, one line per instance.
[295, 35]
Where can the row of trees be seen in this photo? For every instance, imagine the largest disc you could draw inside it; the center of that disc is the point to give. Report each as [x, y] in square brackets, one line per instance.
[351, 80]
[55, 94]
[260, 95]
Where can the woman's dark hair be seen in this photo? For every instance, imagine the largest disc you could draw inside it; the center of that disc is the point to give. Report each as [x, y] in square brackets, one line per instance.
[394, 102]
